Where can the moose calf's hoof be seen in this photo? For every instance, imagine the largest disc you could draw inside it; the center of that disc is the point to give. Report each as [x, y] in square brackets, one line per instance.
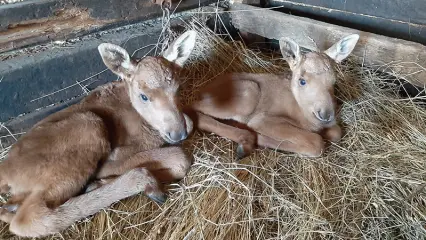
[333, 134]
[144, 181]
[243, 151]
[240, 152]
[246, 145]
[315, 147]
[10, 208]
[154, 192]
[94, 185]
[189, 124]
[157, 197]
[318, 148]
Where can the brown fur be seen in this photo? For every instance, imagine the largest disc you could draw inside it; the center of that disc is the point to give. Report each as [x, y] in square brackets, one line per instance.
[277, 111]
[107, 134]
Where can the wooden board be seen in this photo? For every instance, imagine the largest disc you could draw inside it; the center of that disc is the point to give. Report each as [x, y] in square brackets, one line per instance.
[40, 21]
[404, 58]
[393, 18]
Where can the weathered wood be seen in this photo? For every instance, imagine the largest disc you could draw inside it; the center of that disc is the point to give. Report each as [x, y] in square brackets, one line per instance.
[395, 56]
[393, 18]
[39, 21]
[257, 3]
[413, 11]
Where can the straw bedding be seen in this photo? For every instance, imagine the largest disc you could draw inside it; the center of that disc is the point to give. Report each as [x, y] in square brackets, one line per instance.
[371, 185]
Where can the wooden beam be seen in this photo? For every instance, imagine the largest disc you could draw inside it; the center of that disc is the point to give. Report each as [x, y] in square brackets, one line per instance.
[404, 58]
[39, 21]
[393, 18]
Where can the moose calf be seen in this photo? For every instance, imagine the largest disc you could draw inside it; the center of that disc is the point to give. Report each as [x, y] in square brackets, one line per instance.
[115, 133]
[293, 111]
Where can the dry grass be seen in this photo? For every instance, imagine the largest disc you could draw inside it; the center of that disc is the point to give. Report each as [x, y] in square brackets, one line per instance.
[370, 186]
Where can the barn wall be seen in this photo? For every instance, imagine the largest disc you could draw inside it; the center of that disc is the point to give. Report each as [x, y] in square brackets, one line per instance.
[403, 19]
[40, 21]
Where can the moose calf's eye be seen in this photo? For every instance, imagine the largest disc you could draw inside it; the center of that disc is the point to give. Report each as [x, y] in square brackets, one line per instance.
[144, 97]
[302, 82]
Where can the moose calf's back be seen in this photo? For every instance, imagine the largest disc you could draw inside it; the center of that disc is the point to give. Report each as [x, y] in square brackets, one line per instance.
[77, 142]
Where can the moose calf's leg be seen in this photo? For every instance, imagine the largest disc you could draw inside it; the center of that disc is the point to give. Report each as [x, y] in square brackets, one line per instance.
[279, 134]
[4, 188]
[285, 145]
[171, 165]
[99, 183]
[268, 142]
[17, 199]
[243, 137]
[12, 204]
[166, 164]
[8, 210]
[6, 216]
[34, 219]
[333, 134]
[123, 153]
[24, 222]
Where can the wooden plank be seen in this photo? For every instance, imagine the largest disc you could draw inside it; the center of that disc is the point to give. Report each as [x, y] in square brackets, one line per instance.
[404, 58]
[409, 11]
[40, 21]
[393, 18]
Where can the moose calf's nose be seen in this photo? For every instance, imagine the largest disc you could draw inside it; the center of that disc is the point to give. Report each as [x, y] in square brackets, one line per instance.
[177, 136]
[325, 115]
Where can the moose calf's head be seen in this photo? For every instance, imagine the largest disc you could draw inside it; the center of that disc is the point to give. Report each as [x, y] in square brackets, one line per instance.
[152, 84]
[313, 77]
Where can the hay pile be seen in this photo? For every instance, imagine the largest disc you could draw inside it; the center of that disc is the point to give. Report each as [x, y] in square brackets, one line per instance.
[371, 185]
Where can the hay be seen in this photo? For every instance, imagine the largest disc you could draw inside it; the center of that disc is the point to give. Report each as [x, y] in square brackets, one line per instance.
[371, 185]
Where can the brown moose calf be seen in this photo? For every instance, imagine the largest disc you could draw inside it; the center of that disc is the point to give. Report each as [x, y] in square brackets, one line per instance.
[293, 111]
[115, 133]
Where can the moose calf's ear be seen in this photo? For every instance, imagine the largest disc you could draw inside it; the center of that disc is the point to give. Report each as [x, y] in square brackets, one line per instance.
[290, 51]
[180, 49]
[341, 50]
[116, 59]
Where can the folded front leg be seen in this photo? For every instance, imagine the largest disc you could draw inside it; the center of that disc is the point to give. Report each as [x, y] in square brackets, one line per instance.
[332, 134]
[276, 132]
[246, 140]
[167, 164]
[35, 219]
